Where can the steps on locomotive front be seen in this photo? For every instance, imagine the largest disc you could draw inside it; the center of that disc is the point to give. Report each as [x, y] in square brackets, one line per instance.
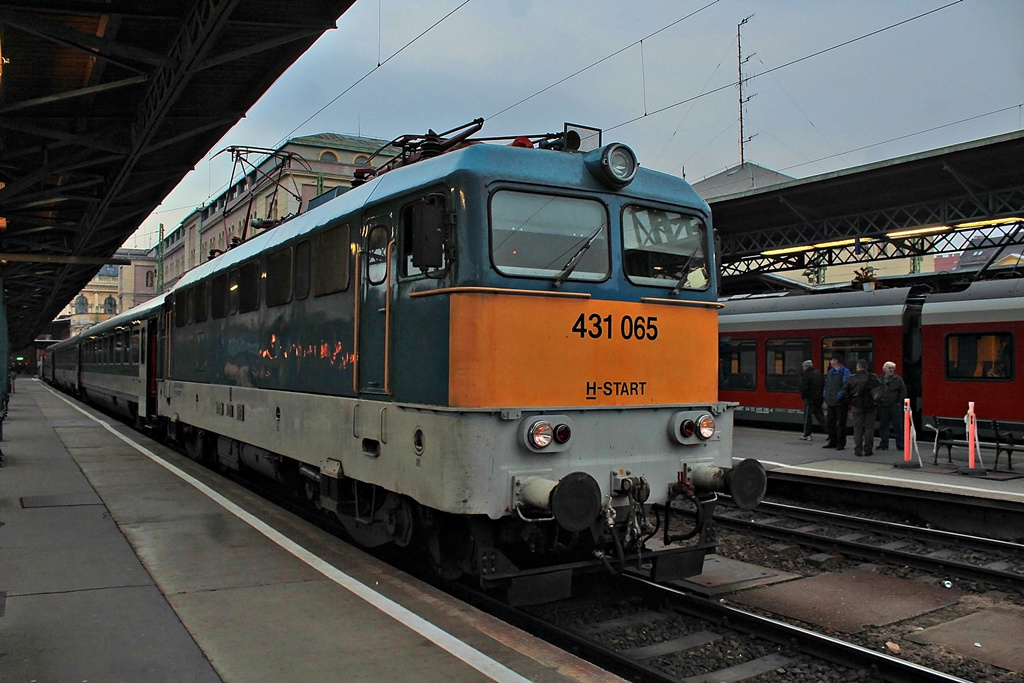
[123, 560]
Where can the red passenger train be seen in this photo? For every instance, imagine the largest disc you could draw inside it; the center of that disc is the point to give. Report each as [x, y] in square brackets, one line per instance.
[950, 348]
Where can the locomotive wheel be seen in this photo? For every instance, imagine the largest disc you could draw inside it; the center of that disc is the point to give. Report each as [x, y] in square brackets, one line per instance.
[195, 444]
[447, 547]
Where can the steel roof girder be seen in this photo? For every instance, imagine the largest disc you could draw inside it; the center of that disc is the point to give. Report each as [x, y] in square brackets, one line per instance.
[92, 45]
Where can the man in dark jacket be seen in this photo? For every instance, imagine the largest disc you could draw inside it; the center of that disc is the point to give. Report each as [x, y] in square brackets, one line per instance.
[836, 403]
[860, 390]
[890, 407]
[812, 385]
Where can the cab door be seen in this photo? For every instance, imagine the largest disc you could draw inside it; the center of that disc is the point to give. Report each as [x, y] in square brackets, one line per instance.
[374, 316]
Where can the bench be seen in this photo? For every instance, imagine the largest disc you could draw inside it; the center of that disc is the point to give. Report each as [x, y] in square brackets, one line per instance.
[952, 431]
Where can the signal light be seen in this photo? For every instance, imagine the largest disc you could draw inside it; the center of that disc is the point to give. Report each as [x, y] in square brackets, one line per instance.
[687, 429]
[562, 433]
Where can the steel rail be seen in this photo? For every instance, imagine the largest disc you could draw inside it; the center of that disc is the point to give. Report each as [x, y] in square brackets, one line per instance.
[818, 645]
[874, 552]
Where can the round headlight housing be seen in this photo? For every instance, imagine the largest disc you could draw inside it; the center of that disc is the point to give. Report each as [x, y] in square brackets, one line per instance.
[540, 434]
[705, 426]
[621, 163]
[613, 165]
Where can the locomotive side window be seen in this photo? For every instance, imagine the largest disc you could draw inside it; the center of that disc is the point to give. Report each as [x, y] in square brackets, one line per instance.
[783, 363]
[302, 263]
[249, 287]
[423, 245]
[330, 261]
[199, 305]
[737, 364]
[279, 277]
[538, 235]
[664, 248]
[219, 296]
[980, 356]
[850, 349]
[377, 254]
[233, 292]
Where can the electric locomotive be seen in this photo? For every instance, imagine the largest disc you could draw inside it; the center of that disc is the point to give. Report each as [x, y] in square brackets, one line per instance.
[503, 354]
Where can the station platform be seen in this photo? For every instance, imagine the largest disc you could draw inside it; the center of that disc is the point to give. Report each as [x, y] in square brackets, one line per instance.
[121, 560]
[783, 452]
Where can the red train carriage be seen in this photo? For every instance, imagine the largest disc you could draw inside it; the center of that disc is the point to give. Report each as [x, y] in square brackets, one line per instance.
[763, 341]
[972, 341]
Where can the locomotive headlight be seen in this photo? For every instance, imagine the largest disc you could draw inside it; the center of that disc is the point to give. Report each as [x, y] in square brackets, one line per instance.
[613, 165]
[705, 426]
[541, 433]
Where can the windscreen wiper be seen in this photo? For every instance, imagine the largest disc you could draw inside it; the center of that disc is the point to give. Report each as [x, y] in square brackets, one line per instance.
[576, 258]
[686, 273]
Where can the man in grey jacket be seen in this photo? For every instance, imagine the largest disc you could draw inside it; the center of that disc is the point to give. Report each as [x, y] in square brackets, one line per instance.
[890, 407]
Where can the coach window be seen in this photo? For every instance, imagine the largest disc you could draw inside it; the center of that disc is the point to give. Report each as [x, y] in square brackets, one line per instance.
[219, 296]
[850, 349]
[331, 250]
[302, 265]
[279, 277]
[737, 364]
[249, 287]
[199, 303]
[135, 347]
[118, 348]
[535, 235]
[784, 363]
[980, 356]
[664, 248]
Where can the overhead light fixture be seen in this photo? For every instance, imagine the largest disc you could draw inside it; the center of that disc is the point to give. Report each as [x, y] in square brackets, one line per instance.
[913, 232]
[786, 250]
[838, 243]
[994, 221]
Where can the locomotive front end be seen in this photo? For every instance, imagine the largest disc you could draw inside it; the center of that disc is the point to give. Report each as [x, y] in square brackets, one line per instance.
[594, 333]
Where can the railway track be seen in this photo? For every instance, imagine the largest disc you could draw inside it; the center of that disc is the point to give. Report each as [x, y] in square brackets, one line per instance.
[941, 553]
[649, 632]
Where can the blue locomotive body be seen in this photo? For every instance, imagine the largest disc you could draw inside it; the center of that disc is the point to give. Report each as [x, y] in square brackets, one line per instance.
[504, 355]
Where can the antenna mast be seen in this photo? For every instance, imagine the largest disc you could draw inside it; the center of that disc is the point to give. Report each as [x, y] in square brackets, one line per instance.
[739, 67]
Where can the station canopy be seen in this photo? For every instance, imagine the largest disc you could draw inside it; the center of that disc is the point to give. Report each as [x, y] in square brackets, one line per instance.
[104, 107]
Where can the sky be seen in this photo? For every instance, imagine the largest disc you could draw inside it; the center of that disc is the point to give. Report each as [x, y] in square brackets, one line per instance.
[828, 84]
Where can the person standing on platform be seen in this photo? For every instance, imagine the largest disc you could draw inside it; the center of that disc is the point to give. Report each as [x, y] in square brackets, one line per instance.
[861, 388]
[890, 407]
[812, 386]
[836, 403]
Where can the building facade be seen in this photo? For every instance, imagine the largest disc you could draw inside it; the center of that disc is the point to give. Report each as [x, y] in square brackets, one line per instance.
[265, 191]
[112, 290]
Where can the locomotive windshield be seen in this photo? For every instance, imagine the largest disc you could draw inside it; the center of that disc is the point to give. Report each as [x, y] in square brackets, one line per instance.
[664, 248]
[537, 235]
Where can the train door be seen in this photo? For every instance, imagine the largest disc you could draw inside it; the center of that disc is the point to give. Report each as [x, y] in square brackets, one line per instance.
[137, 346]
[374, 301]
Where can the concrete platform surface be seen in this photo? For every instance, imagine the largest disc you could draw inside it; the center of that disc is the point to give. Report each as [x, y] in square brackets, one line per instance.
[851, 601]
[783, 451]
[157, 569]
[992, 636]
